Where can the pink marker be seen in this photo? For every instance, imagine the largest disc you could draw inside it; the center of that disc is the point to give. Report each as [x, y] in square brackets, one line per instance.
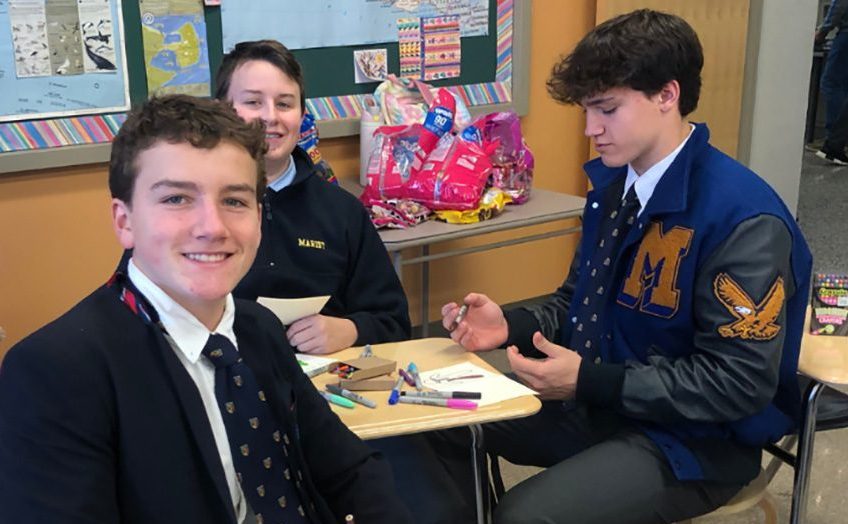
[444, 402]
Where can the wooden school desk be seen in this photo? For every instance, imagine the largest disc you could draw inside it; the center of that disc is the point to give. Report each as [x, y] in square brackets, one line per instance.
[542, 207]
[824, 359]
[403, 419]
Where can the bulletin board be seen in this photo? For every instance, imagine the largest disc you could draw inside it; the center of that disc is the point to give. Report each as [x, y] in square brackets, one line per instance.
[494, 75]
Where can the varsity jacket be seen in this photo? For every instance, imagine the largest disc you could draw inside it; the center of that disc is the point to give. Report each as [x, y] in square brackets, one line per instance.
[837, 16]
[317, 239]
[703, 321]
[101, 423]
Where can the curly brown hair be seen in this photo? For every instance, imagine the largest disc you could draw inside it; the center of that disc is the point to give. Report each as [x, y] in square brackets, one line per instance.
[175, 119]
[642, 50]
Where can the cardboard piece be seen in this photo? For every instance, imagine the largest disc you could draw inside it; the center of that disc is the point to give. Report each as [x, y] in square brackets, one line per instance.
[383, 383]
[367, 367]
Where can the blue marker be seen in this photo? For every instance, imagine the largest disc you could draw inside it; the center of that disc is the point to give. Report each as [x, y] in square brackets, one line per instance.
[413, 370]
[395, 395]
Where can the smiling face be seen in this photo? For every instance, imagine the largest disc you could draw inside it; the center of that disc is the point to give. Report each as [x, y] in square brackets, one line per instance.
[193, 222]
[261, 91]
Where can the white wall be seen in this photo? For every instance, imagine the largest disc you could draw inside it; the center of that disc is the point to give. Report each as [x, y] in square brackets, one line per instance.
[774, 101]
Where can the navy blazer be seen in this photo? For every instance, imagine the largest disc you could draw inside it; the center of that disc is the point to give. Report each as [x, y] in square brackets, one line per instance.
[100, 422]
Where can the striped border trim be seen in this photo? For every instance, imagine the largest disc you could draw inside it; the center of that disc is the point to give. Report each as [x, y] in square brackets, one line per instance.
[59, 132]
[98, 129]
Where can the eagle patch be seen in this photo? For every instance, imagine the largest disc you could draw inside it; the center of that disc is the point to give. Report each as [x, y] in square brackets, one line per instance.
[753, 321]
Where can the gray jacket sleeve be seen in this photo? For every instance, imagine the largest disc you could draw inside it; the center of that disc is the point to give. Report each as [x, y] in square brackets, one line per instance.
[726, 376]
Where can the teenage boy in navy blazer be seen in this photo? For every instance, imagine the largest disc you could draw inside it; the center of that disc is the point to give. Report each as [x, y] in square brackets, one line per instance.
[111, 413]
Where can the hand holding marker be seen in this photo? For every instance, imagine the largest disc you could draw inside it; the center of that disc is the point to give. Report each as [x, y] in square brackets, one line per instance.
[459, 316]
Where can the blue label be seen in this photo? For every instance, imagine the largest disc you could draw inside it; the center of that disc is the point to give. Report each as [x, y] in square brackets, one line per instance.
[438, 121]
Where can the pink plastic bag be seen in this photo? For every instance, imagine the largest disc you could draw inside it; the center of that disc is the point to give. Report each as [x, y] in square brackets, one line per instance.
[453, 177]
[512, 160]
[404, 101]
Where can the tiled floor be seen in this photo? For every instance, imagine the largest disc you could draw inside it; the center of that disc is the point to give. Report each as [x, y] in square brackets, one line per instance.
[823, 214]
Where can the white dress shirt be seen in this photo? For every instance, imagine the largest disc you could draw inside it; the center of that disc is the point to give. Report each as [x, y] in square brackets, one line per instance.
[188, 336]
[647, 181]
[286, 178]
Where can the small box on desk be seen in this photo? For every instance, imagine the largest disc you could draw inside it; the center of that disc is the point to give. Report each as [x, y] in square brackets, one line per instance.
[364, 367]
[829, 305]
[381, 383]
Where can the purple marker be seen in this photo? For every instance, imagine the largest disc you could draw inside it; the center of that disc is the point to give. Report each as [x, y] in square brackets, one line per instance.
[407, 377]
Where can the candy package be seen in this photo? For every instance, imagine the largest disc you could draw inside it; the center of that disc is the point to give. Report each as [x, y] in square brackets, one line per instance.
[397, 213]
[453, 177]
[491, 204]
[512, 160]
[401, 151]
[404, 101]
[829, 307]
[390, 163]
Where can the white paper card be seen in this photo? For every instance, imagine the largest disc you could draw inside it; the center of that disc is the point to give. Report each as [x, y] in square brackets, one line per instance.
[290, 309]
[311, 365]
[468, 377]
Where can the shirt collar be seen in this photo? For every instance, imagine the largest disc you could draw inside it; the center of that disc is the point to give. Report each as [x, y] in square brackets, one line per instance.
[188, 333]
[285, 179]
[647, 181]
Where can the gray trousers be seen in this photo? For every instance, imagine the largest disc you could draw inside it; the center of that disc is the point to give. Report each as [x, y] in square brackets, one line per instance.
[598, 470]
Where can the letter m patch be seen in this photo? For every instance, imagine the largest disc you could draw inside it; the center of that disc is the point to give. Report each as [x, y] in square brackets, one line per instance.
[651, 284]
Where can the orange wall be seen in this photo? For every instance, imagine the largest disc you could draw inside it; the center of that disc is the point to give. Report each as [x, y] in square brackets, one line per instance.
[56, 243]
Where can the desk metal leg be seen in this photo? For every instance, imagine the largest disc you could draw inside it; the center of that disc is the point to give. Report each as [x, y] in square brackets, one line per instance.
[425, 293]
[397, 262]
[806, 439]
[481, 481]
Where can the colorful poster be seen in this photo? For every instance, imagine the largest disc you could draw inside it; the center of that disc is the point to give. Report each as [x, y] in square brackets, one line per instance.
[301, 24]
[63, 37]
[442, 47]
[370, 65]
[98, 36]
[61, 58]
[176, 57]
[28, 21]
[409, 47]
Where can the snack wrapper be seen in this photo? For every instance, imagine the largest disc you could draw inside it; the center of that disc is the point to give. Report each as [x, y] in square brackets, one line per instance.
[397, 214]
[491, 204]
[453, 177]
[390, 164]
[512, 160]
[829, 308]
[405, 101]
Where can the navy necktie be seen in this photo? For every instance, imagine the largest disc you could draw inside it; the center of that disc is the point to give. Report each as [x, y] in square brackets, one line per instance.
[586, 332]
[258, 447]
